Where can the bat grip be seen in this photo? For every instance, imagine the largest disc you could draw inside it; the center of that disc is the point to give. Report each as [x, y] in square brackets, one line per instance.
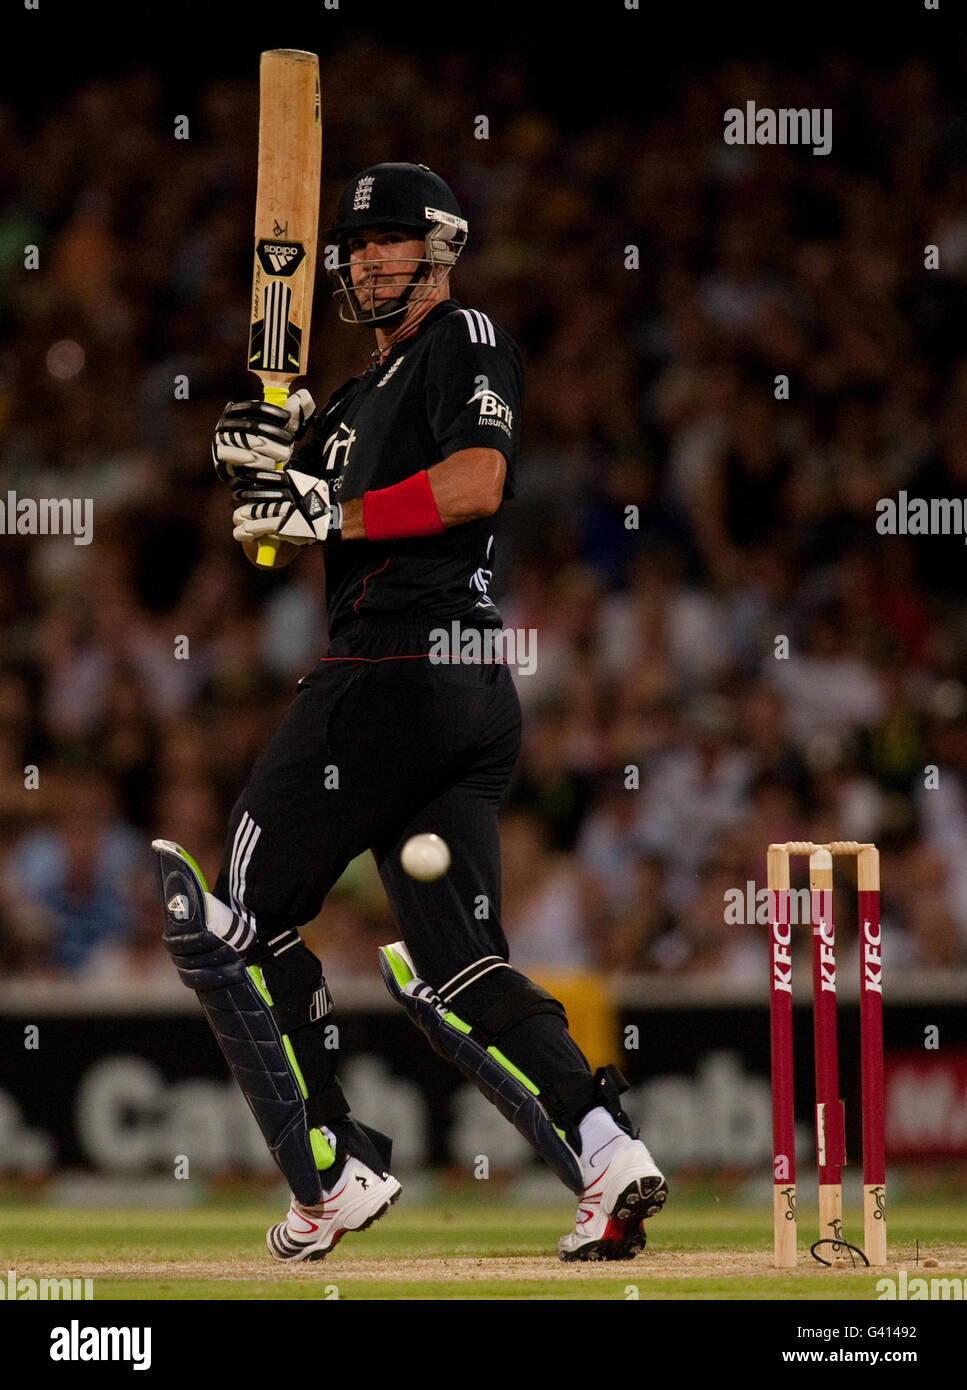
[267, 551]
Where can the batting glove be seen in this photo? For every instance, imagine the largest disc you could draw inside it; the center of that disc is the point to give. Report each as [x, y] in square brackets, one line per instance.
[254, 434]
[289, 506]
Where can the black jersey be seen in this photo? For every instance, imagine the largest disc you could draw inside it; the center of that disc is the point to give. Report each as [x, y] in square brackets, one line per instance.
[455, 383]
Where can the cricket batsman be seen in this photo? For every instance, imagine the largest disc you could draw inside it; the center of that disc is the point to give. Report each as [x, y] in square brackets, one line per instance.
[399, 478]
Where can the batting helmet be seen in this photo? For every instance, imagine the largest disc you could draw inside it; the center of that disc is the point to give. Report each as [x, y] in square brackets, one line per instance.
[405, 196]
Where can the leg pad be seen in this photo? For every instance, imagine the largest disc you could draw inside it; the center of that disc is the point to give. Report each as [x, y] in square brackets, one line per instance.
[240, 1013]
[514, 1095]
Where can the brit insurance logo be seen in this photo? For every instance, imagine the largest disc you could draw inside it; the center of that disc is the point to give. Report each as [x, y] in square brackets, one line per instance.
[494, 410]
[339, 442]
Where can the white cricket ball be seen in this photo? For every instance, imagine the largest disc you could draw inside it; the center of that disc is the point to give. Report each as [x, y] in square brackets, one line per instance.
[425, 857]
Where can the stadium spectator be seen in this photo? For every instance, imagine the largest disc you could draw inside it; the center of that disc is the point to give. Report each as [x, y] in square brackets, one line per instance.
[652, 398]
[71, 881]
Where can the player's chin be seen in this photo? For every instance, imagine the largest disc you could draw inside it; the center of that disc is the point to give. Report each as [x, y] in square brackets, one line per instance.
[385, 310]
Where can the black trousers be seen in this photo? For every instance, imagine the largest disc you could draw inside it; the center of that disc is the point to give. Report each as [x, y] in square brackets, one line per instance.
[378, 745]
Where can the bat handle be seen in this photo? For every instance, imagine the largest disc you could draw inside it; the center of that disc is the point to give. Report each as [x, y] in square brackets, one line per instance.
[267, 551]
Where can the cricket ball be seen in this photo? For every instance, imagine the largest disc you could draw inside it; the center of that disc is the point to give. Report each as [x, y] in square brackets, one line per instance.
[425, 857]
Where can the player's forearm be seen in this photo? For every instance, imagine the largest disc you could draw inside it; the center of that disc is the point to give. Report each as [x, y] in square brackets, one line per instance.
[352, 528]
[465, 486]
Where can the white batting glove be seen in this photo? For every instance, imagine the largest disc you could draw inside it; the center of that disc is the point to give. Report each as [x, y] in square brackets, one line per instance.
[254, 434]
[288, 506]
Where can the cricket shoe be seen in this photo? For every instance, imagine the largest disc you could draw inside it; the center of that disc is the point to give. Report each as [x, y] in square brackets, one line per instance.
[624, 1187]
[359, 1198]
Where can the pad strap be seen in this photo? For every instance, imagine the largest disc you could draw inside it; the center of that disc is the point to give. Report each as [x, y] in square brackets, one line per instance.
[303, 1009]
[260, 951]
[570, 1097]
[299, 1010]
[522, 1000]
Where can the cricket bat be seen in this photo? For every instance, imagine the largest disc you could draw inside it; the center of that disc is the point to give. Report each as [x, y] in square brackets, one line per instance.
[286, 227]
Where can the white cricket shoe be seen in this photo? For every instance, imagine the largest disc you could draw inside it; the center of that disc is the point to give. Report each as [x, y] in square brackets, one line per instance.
[623, 1188]
[359, 1198]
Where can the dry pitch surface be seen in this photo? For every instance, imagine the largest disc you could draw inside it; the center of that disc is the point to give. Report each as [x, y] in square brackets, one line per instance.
[485, 1249]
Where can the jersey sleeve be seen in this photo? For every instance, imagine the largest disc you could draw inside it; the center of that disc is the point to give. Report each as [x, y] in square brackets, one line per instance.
[475, 387]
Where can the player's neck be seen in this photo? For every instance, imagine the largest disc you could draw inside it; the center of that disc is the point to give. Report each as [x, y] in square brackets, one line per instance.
[387, 338]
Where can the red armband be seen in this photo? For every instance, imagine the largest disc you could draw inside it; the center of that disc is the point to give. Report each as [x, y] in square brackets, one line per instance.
[405, 509]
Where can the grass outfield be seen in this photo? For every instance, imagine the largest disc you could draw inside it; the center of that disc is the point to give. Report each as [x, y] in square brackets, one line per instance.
[461, 1249]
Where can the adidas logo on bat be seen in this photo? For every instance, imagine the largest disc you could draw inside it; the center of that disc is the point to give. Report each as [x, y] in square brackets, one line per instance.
[280, 257]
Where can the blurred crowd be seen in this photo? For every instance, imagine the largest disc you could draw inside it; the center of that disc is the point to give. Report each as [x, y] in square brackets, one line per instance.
[729, 652]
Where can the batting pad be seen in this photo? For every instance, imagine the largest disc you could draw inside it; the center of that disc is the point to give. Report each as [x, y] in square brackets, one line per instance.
[239, 1011]
[506, 1087]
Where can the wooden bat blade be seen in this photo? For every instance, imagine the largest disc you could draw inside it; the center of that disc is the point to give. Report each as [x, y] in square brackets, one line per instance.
[286, 224]
[286, 215]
